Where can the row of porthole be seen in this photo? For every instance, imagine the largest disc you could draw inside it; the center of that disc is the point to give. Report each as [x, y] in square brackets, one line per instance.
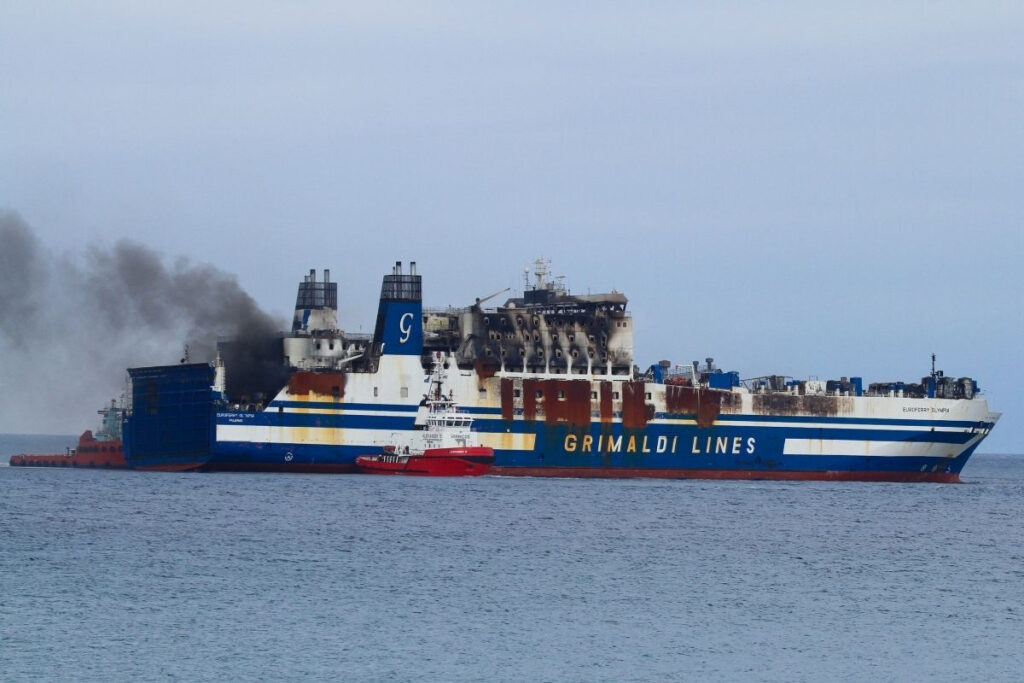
[521, 322]
[510, 336]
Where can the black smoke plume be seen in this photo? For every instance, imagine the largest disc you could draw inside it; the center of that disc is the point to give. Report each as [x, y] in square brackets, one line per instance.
[71, 324]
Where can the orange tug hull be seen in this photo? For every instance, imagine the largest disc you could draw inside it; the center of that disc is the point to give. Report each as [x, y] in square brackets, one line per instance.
[90, 453]
[470, 461]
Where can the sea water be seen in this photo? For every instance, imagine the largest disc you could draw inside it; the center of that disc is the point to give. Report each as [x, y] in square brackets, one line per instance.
[119, 575]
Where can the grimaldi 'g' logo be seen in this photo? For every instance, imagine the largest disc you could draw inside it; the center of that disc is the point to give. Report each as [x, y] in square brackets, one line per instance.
[405, 327]
[722, 445]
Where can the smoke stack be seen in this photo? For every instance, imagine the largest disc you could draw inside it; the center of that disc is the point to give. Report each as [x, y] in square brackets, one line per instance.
[412, 267]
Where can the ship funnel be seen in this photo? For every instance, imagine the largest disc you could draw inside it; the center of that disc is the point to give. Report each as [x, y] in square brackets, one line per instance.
[399, 328]
[412, 267]
[316, 306]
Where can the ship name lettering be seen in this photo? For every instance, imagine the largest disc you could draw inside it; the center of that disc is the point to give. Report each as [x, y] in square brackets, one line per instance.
[721, 445]
[616, 444]
[645, 443]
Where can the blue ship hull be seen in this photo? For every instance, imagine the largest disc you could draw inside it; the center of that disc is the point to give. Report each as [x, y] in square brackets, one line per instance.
[724, 450]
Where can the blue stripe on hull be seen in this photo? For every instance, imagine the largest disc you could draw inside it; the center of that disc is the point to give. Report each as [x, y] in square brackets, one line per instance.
[688, 432]
[342, 406]
[764, 463]
[327, 420]
[495, 413]
[684, 433]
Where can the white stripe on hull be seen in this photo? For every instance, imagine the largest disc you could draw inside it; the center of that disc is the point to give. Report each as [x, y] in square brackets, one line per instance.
[334, 436]
[872, 448]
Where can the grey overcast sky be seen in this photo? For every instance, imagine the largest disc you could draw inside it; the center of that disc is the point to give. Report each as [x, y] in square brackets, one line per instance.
[804, 188]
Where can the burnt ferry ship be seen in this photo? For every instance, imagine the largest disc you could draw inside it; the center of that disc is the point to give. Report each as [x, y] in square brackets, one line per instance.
[549, 381]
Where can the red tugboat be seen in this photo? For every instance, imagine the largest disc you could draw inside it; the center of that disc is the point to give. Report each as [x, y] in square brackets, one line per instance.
[445, 447]
[102, 450]
[434, 462]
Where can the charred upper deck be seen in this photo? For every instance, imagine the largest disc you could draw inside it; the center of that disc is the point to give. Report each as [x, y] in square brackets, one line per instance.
[547, 330]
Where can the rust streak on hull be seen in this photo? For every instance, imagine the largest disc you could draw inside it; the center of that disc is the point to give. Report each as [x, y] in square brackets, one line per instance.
[706, 404]
[607, 407]
[634, 405]
[507, 399]
[324, 383]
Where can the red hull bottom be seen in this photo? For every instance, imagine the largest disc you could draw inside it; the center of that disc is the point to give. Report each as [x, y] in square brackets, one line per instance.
[179, 467]
[282, 468]
[784, 475]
